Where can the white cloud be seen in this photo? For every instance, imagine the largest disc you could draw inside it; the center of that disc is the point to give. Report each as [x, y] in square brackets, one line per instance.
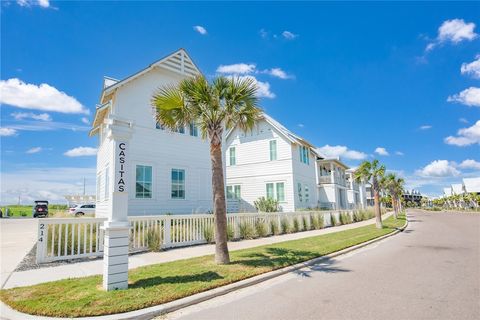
[7, 132]
[289, 35]
[470, 164]
[341, 151]
[469, 97]
[30, 115]
[381, 151]
[463, 120]
[425, 127]
[465, 136]
[438, 168]
[472, 68]
[453, 31]
[263, 33]
[237, 68]
[263, 88]
[51, 184]
[278, 73]
[44, 97]
[399, 153]
[85, 120]
[301, 125]
[28, 3]
[200, 30]
[34, 150]
[81, 152]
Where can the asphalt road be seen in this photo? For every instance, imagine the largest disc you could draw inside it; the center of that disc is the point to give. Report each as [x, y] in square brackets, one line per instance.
[430, 271]
[17, 239]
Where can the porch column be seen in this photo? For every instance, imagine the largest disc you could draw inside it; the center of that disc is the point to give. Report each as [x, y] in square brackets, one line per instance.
[117, 228]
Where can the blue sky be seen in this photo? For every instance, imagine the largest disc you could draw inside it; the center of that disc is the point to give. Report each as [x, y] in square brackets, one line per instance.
[350, 78]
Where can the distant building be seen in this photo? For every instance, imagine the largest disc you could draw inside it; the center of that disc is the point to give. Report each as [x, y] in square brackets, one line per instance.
[73, 200]
[413, 196]
[468, 185]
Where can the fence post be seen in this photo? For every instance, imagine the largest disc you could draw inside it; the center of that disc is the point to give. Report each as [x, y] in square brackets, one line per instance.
[167, 231]
[42, 241]
[236, 226]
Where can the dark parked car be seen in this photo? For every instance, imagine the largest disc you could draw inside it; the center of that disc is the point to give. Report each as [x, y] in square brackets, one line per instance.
[40, 209]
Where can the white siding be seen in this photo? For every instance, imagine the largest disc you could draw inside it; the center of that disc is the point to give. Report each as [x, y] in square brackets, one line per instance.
[305, 174]
[161, 149]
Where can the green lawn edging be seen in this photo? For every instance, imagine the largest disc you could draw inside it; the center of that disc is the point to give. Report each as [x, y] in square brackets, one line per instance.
[162, 283]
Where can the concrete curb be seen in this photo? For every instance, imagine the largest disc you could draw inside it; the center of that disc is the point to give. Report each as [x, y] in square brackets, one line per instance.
[150, 312]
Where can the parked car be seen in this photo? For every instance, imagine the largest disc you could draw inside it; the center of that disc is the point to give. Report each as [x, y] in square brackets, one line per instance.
[82, 209]
[40, 209]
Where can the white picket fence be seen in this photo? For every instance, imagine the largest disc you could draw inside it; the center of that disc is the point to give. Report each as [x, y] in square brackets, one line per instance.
[73, 238]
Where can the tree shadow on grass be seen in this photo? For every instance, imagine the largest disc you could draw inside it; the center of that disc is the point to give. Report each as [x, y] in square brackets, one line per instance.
[154, 281]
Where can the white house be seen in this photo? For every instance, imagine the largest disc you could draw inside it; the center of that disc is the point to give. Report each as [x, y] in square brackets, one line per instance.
[269, 161]
[472, 185]
[166, 171]
[356, 191]
[332, 184]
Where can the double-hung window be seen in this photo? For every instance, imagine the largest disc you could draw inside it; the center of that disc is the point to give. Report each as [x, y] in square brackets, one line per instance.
[273, 150]
[159, 126]
[180, 129]
[143, 182]
[304, 156]
[178, 184]
[193, 129]
[276, 191]
[233, 158]
[233, 192]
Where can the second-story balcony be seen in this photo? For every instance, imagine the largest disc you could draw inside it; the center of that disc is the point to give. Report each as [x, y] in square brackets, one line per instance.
[332, 179]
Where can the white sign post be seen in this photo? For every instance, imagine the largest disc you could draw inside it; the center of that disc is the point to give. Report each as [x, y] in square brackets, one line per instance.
[116, 228]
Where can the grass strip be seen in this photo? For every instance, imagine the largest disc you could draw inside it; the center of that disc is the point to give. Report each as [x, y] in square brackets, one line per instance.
[161, 283]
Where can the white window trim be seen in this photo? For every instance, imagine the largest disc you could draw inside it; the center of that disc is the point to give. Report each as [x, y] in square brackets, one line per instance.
[233, 190]
[133, 179]
[275, 190]
[184, 184]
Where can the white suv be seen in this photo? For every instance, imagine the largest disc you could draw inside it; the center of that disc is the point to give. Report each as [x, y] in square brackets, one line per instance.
[82, 209]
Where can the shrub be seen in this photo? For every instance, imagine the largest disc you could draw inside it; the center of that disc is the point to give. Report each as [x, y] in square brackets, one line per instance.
[274, 227]
[296, 225]
[261, 229]
[321, 221]
[266, 205]
[230, 232]
[284, 226]
[246, 231]
[305, 223]
[333, 220]
[208, 233]
[154, 239]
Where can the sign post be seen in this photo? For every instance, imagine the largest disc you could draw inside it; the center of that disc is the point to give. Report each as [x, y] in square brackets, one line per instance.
[116, 228]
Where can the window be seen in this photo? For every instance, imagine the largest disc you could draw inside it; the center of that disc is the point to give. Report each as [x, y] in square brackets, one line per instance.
[270, 194]
[304, 155]
[307, 194]
[233, 159]
[276, 191]
[143, 182]
[193, 130]
[159, 126]
[107, 184]
[178, 184]
[233, 192]
[299, 187]
[273, 150]
[280, 191]
[180, 129]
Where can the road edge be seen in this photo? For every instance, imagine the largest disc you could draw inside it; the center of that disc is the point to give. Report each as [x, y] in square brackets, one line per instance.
[150, 312]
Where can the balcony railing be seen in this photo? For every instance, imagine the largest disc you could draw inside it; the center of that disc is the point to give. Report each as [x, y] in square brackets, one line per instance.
[328, 179]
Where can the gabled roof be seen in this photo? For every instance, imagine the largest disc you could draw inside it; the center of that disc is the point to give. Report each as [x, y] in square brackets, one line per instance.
[447, 191]
[336, 160]
[457, 188]
[289, 135]
[178, 61]
[472, 184]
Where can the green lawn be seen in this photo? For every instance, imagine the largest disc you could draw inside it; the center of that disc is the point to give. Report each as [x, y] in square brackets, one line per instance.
[161, 283]
[26, 211]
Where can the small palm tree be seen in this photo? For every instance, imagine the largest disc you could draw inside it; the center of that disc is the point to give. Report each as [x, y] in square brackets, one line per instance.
[372, 171]
[215, 107]
[389, 182]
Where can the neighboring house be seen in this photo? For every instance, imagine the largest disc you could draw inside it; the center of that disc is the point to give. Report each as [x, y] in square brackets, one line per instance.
[369, 194]
[447, 192]
[332, 184]
[457, 189]
[356, 191]
[412, 196]
[472, 185]
[167, 171]
[269, 161]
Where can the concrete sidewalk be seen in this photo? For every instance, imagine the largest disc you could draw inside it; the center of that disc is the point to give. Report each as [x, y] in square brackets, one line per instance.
[82, 269]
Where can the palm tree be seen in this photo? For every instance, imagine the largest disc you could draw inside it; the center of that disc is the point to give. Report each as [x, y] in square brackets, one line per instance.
[389, 182]
[215, 107]
[372, 171]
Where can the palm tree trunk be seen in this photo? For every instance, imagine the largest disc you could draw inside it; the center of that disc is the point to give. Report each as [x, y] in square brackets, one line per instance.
[378, 213]
[219, 205]
[394, 206]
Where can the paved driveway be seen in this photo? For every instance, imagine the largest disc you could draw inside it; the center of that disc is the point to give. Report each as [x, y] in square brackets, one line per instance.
[17, 238]
[431, 271]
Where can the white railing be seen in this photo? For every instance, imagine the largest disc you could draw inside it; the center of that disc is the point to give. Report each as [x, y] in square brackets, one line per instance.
[65, 239]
